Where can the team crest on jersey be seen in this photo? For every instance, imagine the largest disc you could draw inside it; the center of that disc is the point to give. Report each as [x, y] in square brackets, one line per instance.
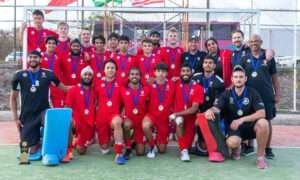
[24, 74]
[231, 100]
[246, 101]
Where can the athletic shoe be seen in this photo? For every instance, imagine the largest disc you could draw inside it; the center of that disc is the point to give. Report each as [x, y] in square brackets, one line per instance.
[269, 153]
[247, 150]
[105, 151]
[151, 153]
[215, 157]
[261, 163]
[127, 154]
[236, 154]
[119, 159]
[198, 150]
[35, 156]
[185, 155]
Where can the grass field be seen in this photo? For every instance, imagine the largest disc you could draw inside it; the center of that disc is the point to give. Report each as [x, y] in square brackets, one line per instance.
[97, 166]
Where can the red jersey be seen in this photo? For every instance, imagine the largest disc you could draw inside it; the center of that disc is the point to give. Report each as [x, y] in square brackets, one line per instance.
[89, 49]
[124, 63]
[81, 101]
[186, 95]
[36, 38]
[161, 98]
[147, 65]
[172, 57]
[135, 101]
[97, 64]
[108, 95]
[70, 68]
[63, 47]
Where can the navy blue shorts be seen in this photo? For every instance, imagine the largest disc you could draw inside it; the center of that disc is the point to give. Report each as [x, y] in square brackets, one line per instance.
[245, 131]
[270, 110]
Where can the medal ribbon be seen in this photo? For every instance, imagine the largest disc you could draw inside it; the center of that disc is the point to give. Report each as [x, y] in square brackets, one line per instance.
[239, 103]
[186, 94]
[161, 92]
[123, 62]
[147, 64]
[109, 91]
[86, 97]
[51, 61]
[206, 82]
[256, 63]
[192, 61]
[74, 62]
[99, 61]
[33, 77]
[135, 98]
[172, 54]
[39, 39]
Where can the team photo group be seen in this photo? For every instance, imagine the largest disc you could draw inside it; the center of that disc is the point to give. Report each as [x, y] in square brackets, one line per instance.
[217, 103]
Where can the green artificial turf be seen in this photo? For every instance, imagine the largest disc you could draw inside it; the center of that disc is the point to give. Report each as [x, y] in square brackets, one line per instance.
[94, 165]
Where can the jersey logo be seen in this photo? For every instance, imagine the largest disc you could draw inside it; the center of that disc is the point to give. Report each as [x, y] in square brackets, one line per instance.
[246, 101]
[24, 74]
[43, 75]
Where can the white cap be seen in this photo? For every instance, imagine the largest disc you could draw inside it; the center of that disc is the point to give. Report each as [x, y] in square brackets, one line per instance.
[85, 70]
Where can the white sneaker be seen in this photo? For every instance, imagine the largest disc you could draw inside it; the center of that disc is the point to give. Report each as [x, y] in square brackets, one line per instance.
[104, 151]
[151, 153]
[185, 155]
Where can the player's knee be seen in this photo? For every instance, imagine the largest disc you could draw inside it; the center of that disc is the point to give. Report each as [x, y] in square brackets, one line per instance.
[127, 125]
[233, 142]
[146, 125]
[117, 122]
[261, 125]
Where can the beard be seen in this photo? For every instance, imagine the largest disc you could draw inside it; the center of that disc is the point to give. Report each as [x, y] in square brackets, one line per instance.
[35, 65]
[75, 53]
[185, 80]
[86, 82]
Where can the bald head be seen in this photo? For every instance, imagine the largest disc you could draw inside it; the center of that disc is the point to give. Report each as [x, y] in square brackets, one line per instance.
[255, 42]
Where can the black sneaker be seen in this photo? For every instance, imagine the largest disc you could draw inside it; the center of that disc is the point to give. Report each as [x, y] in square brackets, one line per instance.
[127, 154]
[269, 153]
[198, 150]
[247, 150]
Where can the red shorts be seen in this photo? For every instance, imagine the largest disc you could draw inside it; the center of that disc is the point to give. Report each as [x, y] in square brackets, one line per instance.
[103, 127]
[161, 124]
[138, 135]
[84, 134]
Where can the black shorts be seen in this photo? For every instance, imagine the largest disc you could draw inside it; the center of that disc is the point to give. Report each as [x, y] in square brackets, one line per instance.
[270, 110]
[245, 131]
[31, 130]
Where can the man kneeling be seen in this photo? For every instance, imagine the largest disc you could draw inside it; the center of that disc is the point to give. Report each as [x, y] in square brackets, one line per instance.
[244, 113]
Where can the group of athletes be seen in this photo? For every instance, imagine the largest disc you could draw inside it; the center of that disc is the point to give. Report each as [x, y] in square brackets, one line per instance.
[132, 100]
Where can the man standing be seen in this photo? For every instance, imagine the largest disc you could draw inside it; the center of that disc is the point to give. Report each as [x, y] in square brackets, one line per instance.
[171, 55]
[239, 48]
[71, 65]
[188, 97]
[161, 102]
[81, 99]
[99, 56]
[33, 84]
[50, 61]
[135, 99]
[245, 115]
[63, 45]
[193, 57]
[124, 60]
[147, 61]
[37, 34]
[262, 76]
[108, 95]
